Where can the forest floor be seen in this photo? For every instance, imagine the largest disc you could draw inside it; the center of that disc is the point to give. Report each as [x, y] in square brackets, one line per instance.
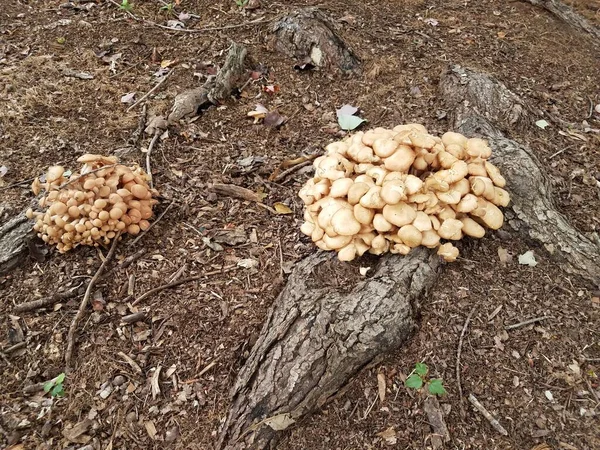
[63, 74]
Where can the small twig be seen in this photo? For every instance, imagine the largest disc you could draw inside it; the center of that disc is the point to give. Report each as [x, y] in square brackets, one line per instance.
[151, 225]
[493, 422]
[205, 30]
[15, 347]
[136, 136]
[17, 183]
[85, 175]
[558, 152]
[84, 302]
[131, 362]
[46, 301]
[459, 352]
[148, 153]
[589, 385]
[202, 372]
[179, 282]
[151, 91]
[526, 322]
[135, 317]
[293, 169]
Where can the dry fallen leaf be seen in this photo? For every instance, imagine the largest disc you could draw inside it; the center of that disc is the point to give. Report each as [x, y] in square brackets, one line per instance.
[280, 421]
[151, 429]
[282, 209]
[388, 435]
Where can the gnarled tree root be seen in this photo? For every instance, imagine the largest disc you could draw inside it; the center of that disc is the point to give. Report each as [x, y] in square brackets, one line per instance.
[310, 38]
[567, 15]
[317, 336]
[13, 241]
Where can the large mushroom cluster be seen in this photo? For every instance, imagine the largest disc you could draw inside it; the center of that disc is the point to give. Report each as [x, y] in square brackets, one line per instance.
[393, 190]
[92, 207]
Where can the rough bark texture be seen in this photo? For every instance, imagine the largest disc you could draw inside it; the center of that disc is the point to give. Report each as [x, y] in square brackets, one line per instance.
[13, 242]
[318, 334]
[480, 106]
[567, 15]
[216, 89]
[310, 38]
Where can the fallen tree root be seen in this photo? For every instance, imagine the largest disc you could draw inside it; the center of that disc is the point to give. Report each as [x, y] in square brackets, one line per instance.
[567, 15]
[478, 106]
[216, 89]
[321, 330]
[324, 328]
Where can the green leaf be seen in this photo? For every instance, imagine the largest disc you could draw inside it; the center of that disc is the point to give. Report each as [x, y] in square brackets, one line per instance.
[60, 378]
[48, 385]
[348, 122]
[414, 382]
[436, 387]
[58, 391]
[421, 369]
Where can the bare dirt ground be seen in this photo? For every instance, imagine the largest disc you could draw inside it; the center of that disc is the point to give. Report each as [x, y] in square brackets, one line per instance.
[540, 381]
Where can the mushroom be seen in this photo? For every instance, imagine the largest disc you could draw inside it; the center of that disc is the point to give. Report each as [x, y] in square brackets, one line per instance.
[413, 184]
[448, 251]
[384, 147]
[400, 160]
[339, 188]
[501, 197]
[363, 215]
[451, 229]
[410, 235]
[478, 148]
[430, 239]
[379, 245]
[393, 191]
[372, 199]
[400, 214]
[344, 223]
[422, 222]
[472, 228]
[467, 204]
[494, 174]
[456, 172]
[378, 173]
[482, 186]
[493, 217]
[422, 140]
[401, 249]
[477, 168]
[381, 224]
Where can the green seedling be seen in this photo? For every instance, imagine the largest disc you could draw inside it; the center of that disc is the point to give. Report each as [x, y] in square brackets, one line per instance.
[418, 378]
[126, 6]
[169, 7]
[241, 3]
[55, 386]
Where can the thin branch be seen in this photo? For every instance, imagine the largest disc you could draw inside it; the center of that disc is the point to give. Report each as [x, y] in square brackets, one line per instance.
[17, 183]
[491, 419]
[151, 225]
[151, 91]
[46, 301]
[293, 169]
[150, 147]
[179, 282]
[84, 302]
[526, 322]
[459, 352]
[206, 30]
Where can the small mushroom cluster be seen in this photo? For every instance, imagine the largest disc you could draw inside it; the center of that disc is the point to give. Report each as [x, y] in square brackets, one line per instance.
[393, 190]
[92, 207]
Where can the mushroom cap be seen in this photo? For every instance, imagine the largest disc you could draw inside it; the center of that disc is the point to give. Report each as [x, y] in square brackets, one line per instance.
[452, 138]
[378, 173]
[380, 224]
[330, 206]
[344, 222]
[456, 172]
[401, 159]
[337, 147]
[336, 242]
[451, 229]
[451, 197]
[478, 148]
[501, 197]
[363, 215]
[467, 204]
[430, 239]
[472, 228]
[361, 247]
[494, 174]
[477, 168]
[463, 186]
[400, 214]
[379, 245]
[493, 217]
[307, 228]
[347, 253]
[422, 221]
[482, 187]
[384, 147]
[446, 212]
[339, 188]
[413, 184]
[448, 251]
[393, 191]
[446, 159]
[372, 199]
[356, 191]
[401, 249]
[367, 238]
[422, 140]
[54, 173]
[410, 235]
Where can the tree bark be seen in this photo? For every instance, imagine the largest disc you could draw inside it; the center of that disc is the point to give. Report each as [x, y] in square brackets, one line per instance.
[567, 15]
[325, 326]
[310, 38]
[479, 107]
[13, 242]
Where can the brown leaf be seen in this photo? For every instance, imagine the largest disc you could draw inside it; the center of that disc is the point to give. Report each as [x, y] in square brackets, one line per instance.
[150, 429]
[280, 208]
[388, 435]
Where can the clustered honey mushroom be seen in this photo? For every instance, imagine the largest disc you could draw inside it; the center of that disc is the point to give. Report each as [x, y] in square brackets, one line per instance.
[393, 190]
[92, 207]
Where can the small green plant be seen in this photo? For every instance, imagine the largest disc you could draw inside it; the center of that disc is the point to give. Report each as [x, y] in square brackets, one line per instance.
[241, 3]
[55, 386]
[126, 6]
[169, 7]
[418, 378]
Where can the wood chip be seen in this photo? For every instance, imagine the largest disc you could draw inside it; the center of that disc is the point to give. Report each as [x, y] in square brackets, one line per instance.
[150, 429]
[73, 434]
[381, 386]
[154, 382]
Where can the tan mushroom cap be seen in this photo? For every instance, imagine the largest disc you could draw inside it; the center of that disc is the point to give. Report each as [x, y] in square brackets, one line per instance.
[451, 229]
[356, 191]
[381, 224]
[363, 215]
[430, 239]
[400, 214]
[494, 174]
[384, 147]
[393, 191]
[410, 235]
[448, 251]
[339, 188]
[472, 228]
[478, 148]
[372, 199]
[401, 159]
[344, 222]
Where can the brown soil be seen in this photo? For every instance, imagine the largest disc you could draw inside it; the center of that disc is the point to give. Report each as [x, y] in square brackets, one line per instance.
[540, 380]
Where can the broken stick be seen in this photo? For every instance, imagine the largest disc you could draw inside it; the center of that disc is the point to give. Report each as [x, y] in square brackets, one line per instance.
[491, 419]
